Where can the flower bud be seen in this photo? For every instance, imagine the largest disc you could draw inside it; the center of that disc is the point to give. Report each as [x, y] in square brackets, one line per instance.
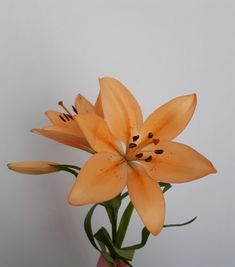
[34, 167]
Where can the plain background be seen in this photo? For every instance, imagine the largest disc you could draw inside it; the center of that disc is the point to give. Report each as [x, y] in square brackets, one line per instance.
[50, 50]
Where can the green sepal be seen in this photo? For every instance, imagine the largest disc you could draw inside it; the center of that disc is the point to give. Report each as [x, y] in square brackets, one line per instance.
[69, 168]
[144, 237]
[88, 226]
[123, 225]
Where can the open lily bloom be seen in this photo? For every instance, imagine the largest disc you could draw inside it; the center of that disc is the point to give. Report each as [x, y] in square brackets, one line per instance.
[65, 129]
[136, 154]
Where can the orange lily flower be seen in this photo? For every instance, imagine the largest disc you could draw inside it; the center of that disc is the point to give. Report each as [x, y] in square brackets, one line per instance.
[136, 154]
[65, 129]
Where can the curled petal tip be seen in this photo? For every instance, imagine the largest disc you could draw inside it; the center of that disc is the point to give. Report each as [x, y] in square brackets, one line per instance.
[73, 200]
[210, 167]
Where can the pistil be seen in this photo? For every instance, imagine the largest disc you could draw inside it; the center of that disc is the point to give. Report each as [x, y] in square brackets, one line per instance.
[60, 103]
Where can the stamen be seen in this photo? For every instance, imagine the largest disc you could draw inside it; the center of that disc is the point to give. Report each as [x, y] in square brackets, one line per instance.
[140, 155]
[158, 151]
[132, 145]
[60, 103]
[66, 116]
[74, 109]
[148, 159]
[62, 118]
[135, 138]
[70, 116]
[156, 141]
[150, 135]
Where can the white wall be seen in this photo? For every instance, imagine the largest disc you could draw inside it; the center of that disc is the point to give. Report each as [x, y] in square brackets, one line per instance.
[52, 49]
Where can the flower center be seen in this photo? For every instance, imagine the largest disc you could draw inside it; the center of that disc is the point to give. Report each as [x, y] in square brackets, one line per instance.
[134, 151]
[66, 116]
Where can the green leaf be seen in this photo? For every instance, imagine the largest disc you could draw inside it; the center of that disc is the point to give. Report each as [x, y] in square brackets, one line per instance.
[127, 254]
[115, 202]
[105, 254]
[88, 227]
[112, 207]
[102, 235]
[144, 238]
[124, 223]
[180, 224]
[124, 195]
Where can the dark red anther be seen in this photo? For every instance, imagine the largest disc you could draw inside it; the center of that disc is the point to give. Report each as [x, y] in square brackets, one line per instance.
[140, 155]
[66, 116]
[70, 116]
[150, 135]
[132, 145]
[158, 151]
[156, 141]
[62, 118]
[135, 138]
[74, 109]
[148, 159]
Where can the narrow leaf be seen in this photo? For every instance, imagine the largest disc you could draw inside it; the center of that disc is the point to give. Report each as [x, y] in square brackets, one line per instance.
[124, 223]
[180, 224]
[144, 238]
[124, 195]
[103, 236]
[88, 226]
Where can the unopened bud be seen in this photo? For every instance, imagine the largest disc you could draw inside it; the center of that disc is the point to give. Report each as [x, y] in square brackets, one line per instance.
[34, 167]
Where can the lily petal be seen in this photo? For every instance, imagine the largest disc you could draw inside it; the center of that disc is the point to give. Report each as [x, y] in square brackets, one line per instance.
[98, 106]
[121, 110]
[170, 119]
[82, 105]
[97, 133]
[102, 178]
[178, 163]
[147, 198]
[65, 136]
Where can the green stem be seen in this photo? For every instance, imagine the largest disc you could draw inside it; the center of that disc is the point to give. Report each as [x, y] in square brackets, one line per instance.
[114, 225]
